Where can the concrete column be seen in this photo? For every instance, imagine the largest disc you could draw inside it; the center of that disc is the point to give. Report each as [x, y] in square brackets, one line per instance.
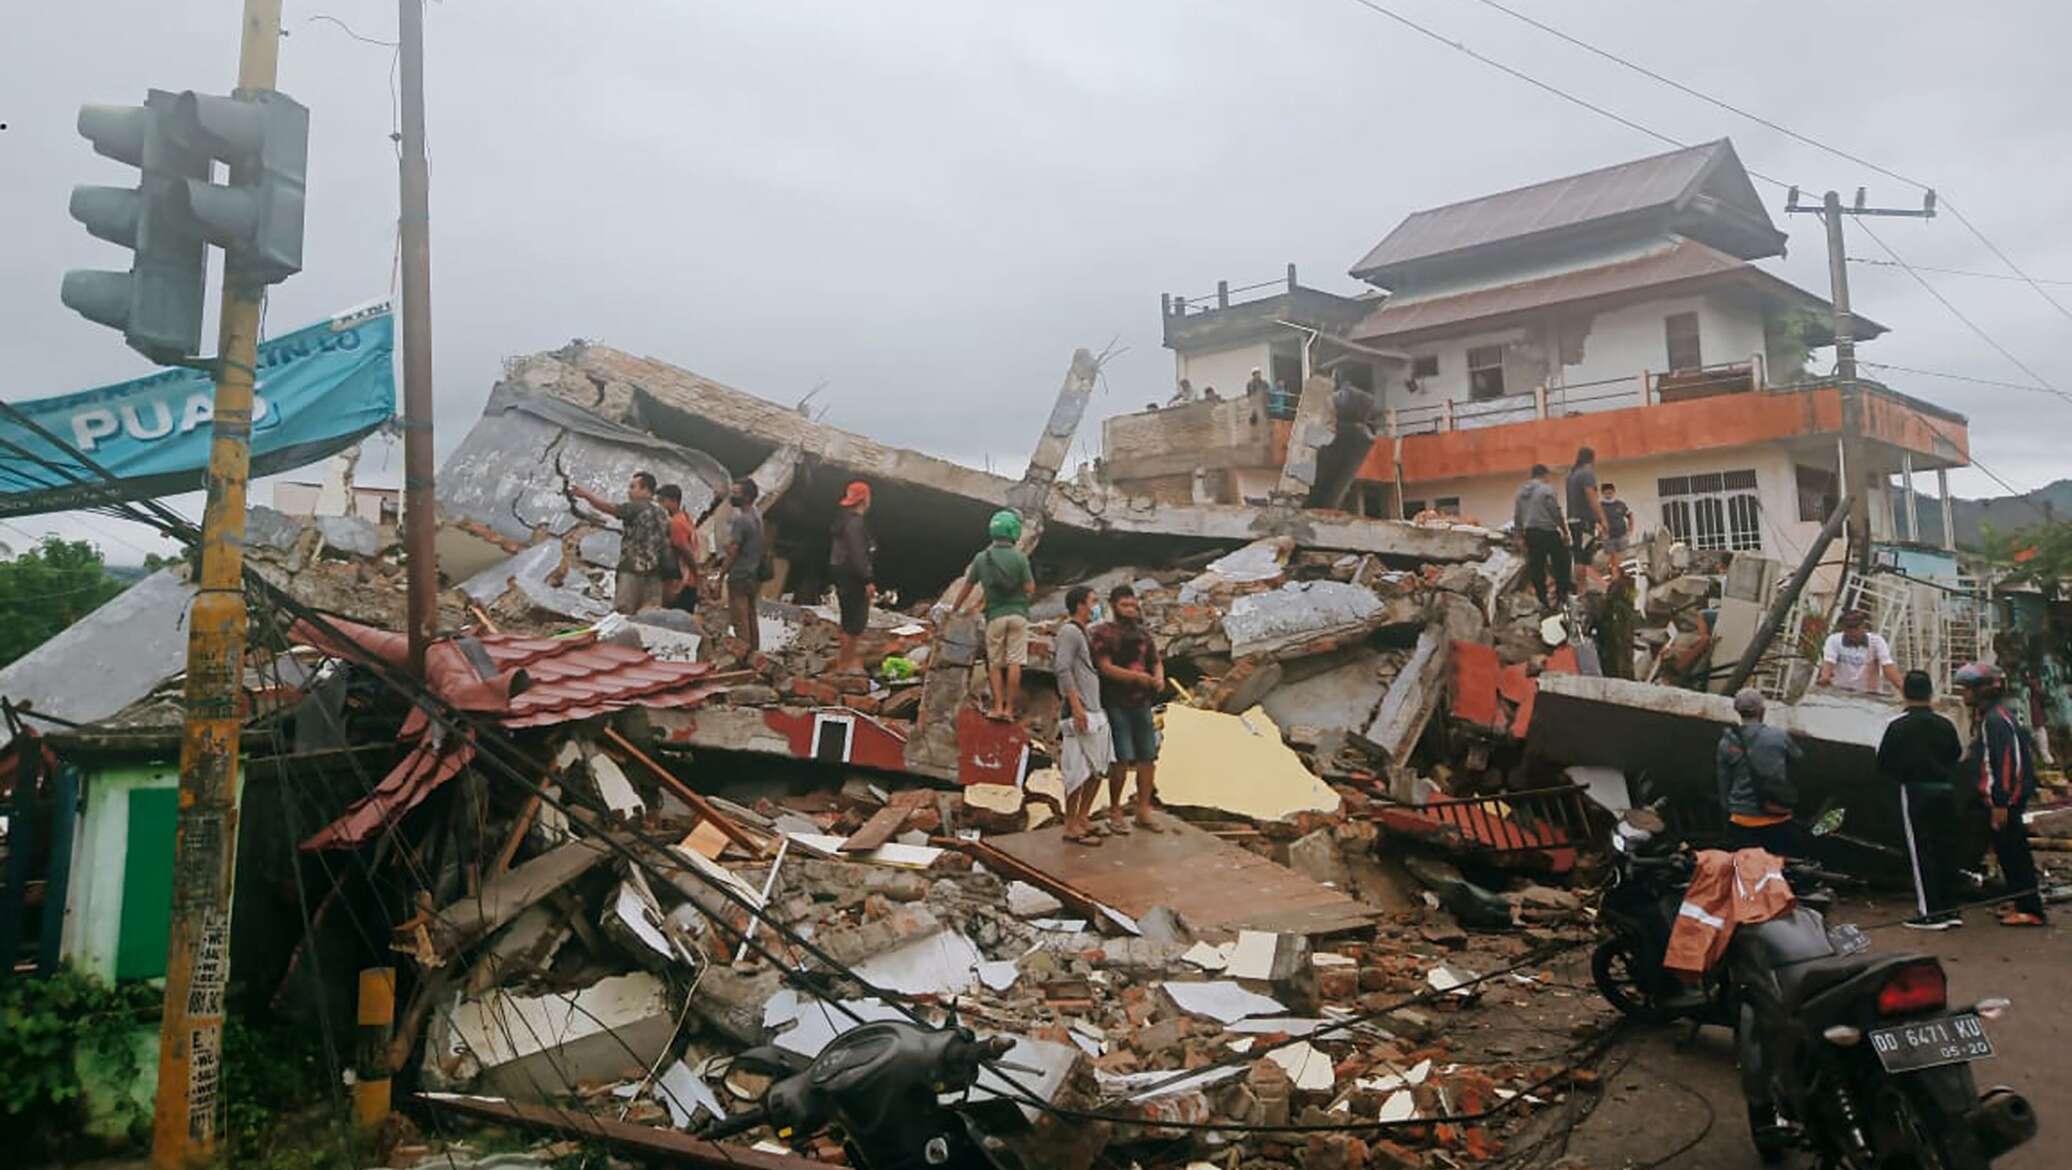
[1942, 490]
[1906, 472]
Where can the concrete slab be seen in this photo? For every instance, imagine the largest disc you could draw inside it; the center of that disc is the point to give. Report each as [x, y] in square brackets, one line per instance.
[1217, 887]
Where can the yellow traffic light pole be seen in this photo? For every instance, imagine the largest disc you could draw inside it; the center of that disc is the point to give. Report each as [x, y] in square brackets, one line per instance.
[189, 1108]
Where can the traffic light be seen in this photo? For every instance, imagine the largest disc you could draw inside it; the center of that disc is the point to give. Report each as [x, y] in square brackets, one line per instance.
[176, 211]
[158, 303]
[257, 218]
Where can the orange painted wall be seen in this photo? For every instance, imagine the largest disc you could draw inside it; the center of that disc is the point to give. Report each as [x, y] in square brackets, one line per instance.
[1730, 420]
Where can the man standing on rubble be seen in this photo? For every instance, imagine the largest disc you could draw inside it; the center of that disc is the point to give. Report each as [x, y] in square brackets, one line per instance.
[742, 566]
[1618, 518]
[1003, 571]
[1536, 516]
[2002, 763]
[1855, 659]
[1753, 768]
[1586, 519]
[1085, 750]
[683, 541]
[643, 577]
[1919, 754]
[1132, 679]
[849, 559]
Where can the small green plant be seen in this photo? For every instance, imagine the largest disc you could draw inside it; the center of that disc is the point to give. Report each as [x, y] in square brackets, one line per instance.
[46, 1026]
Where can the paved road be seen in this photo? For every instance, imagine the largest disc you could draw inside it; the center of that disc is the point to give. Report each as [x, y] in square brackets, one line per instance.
[1662, 1097]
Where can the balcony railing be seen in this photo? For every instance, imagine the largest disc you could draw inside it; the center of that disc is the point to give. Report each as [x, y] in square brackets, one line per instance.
[1542, 402]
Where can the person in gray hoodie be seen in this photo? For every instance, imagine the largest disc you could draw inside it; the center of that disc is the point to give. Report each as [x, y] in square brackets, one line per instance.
[1755, 787]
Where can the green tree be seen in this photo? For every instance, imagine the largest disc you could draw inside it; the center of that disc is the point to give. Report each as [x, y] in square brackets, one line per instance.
[48, 588]
[2040, 555]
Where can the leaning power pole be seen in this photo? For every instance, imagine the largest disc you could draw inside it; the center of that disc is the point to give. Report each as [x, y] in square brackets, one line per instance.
[1851, 462]
[419, 515]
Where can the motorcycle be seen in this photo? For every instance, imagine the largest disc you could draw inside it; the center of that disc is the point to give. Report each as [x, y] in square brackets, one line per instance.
[1854, 1056]
[881, 1086]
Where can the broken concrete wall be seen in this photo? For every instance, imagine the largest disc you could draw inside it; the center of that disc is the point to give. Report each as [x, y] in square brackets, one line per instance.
[505, 482]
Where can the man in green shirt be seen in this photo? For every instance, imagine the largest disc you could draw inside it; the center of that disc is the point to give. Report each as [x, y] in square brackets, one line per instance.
[1002, 570]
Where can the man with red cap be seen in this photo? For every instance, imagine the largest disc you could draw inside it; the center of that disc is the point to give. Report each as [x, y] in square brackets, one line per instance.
[849, 558]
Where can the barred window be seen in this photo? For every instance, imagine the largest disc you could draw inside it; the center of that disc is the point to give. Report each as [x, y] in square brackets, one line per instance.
[1714, 510]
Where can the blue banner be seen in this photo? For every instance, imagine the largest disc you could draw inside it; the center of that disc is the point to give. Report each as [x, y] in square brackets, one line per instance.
[320, 389]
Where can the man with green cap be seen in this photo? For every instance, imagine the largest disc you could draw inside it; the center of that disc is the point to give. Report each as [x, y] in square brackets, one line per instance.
[1002, 570]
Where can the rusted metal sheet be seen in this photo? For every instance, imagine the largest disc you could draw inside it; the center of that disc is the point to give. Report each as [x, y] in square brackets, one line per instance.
[1214, 885]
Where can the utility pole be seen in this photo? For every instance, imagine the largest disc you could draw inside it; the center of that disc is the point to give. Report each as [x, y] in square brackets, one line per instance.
[190, 1045]
[1852, 462]
[419, 507]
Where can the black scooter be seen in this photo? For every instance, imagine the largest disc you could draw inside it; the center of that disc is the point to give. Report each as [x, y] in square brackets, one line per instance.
[880, 1086]
[1851, 1055]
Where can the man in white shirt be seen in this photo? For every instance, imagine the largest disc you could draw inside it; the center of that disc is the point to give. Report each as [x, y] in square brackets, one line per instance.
[1855, 659]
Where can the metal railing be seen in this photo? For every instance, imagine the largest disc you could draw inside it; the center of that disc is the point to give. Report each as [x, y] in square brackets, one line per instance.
[1536, 820]
[1183, 306]
[1543, 402]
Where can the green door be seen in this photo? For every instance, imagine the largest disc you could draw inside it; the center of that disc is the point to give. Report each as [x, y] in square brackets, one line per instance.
[147, 883]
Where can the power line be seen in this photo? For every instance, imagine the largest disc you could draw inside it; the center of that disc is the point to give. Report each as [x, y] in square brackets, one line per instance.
[1950, 271]
[1548, 87]
[1957, 377]
[1974, 326]
[1788, 132]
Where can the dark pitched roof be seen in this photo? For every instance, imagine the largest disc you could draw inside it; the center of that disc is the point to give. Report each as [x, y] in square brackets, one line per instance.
[1683, 262]
[1685, 190]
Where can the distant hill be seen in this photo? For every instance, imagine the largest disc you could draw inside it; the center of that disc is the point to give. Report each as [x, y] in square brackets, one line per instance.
[2004, 513]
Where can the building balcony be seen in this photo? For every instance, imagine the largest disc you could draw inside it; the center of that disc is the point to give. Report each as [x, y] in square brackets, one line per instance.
[1647, 416]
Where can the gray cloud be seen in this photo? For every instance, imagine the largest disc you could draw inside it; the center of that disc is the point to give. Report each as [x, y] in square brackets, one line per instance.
[930, 204]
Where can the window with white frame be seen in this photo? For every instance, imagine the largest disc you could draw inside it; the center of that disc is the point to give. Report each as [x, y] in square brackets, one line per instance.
[1486, 371]
[1716, 510]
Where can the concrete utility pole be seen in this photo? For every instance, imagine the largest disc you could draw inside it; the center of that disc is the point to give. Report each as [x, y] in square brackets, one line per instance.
[420, 515]
[190, 1045]
[1852, 460]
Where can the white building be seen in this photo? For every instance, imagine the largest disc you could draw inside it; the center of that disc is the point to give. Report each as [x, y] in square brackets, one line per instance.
[1618, 309]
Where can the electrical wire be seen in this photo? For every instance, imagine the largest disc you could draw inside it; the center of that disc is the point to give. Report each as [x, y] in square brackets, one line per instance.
[1955, 377]
[1865, 260]
[1817, 144]
[2041, 382]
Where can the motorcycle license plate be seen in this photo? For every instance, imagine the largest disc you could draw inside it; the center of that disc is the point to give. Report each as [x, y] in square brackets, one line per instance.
[1927, 1043]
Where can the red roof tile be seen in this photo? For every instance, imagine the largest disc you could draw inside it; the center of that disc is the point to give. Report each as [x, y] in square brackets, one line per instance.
[565, 680]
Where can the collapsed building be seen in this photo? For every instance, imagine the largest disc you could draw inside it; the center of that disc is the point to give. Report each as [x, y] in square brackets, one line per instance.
[596, 845]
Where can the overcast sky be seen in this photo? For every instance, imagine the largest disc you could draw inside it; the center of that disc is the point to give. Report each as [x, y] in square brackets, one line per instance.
[930, 203]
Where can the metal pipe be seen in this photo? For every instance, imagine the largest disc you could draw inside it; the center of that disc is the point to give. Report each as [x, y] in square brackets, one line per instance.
[420, 515]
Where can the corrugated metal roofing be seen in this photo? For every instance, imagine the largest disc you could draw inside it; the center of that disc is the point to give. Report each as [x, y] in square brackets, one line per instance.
[1600, 194]
[568, 679]
[1685, 260]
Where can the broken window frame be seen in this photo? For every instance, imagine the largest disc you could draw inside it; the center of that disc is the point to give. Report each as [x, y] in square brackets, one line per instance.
[1424, 366]
[1818, 489]
[1486, 371]
[1446, 505]
[823, 720]
[1714, 510]
[1675, 337]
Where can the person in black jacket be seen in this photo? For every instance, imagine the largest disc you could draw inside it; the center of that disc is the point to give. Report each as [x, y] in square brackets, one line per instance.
[849, 559]
[2002, 762]
[1919, 754]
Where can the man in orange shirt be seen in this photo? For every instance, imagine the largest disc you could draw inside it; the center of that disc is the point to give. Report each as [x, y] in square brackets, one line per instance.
[1754, 774]
[683, 538]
